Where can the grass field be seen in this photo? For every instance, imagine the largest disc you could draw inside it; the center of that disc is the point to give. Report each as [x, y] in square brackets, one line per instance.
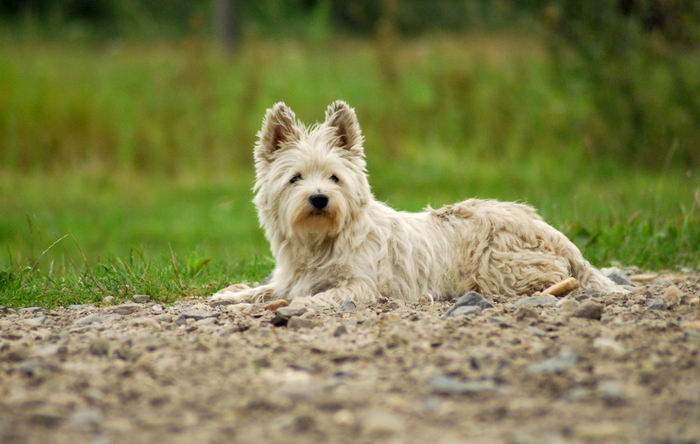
[127, 169]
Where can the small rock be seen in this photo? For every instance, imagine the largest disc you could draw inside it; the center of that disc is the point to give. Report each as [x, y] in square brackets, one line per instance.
[347, 306]
[568, 305]
[157, 309]
[619, 278]
[462, 311]
[108, 300]
[589, 310]
[657, 304]
[609, 345]
[525, 313]
[556, 365]
[470, 299]
[86, 419]
[141, 298]
[536, 300]
[34, 322]
[47, 418]
[125, 309]
[79, 306]
[99, 347]
[673, 296]
[297, 323]
[29, 310]
[451, 385]
[288, 312]
[96, 318]
[612, 393]
[340, 331]
[382, 422]
[198, 315]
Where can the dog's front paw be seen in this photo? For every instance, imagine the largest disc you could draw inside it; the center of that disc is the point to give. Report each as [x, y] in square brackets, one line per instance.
[233, 294]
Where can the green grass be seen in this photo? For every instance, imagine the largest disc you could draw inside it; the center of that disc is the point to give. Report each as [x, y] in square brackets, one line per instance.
[127, 170]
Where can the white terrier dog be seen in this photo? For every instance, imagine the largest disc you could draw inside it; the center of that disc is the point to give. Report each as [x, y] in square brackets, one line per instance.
[333, 241]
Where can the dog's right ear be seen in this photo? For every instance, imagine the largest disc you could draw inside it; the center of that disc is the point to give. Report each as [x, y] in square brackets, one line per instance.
[279, 129]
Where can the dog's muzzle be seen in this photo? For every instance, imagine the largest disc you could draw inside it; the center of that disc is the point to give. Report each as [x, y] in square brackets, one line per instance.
[319, 201]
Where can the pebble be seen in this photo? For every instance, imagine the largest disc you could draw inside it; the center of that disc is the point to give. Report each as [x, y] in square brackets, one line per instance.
[657, 304]
[379, 422]
[451, 385]
[96, 318]
[29, 310]
[462, 311]
[297, 323]
[198, 315]
[125, 309]
[79, 306]
[612, 393]
[86, 419]
[567, 305]
[609, 345]
[288, 312]
[589, 310]
[99, 347]
[34, 322]
[619, 278]
[471, 298]
[534, 301]
[108, 300]
[340, 331]
[157, 309]
[556, 365]
[525, 313]
[673, 296]
[347, 306]
[141, 298]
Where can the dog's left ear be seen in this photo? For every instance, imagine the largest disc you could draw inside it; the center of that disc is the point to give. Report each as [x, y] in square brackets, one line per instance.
[340, 116]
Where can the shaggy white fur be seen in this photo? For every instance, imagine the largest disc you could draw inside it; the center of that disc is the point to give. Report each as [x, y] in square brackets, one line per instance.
[333, 241]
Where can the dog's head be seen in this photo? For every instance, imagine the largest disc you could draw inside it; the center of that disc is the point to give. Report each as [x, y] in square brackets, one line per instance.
[310, 182]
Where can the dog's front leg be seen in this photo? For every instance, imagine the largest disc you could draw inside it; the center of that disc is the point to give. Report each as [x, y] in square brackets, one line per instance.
[355, 290]
[255, 295]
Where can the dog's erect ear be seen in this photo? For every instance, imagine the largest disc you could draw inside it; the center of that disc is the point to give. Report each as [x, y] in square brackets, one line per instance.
[279, 128]
[340, 116]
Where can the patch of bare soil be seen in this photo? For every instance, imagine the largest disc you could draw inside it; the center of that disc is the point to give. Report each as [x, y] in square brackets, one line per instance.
[583, 368]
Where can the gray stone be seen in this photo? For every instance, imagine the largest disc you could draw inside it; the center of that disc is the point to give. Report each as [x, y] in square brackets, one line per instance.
[471, 299]
[99, 347]
[340, 331]
[451, 385]
[657, 304]
[463, 311]
[525, 313]
[34, 322]
[556, 365]
[79, 306]
[589, 310]
[297, 323]
[141, 298]
[29, 310]
[108, 300]
[612, 393]
[86, 419]
[619, 278]
[198, 315]
[347, 306]
[125, 309]
[537, 300]
[288, 312]
[96, 318]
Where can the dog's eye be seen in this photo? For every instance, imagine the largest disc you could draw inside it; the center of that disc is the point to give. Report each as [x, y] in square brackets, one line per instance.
[335, 179]
[295, 178]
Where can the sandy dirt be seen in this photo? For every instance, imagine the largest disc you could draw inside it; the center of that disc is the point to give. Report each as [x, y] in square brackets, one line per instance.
[582, 368]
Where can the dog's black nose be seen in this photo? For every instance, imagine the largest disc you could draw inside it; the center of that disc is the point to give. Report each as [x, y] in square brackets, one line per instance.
[319, 201]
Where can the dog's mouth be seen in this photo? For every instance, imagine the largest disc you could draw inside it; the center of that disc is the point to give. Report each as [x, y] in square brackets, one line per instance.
[316, 212]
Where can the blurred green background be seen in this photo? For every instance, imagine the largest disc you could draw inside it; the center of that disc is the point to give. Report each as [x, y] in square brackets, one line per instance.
[126, 127]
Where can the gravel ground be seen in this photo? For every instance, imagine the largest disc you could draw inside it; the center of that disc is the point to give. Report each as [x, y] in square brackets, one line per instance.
[582, 368]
